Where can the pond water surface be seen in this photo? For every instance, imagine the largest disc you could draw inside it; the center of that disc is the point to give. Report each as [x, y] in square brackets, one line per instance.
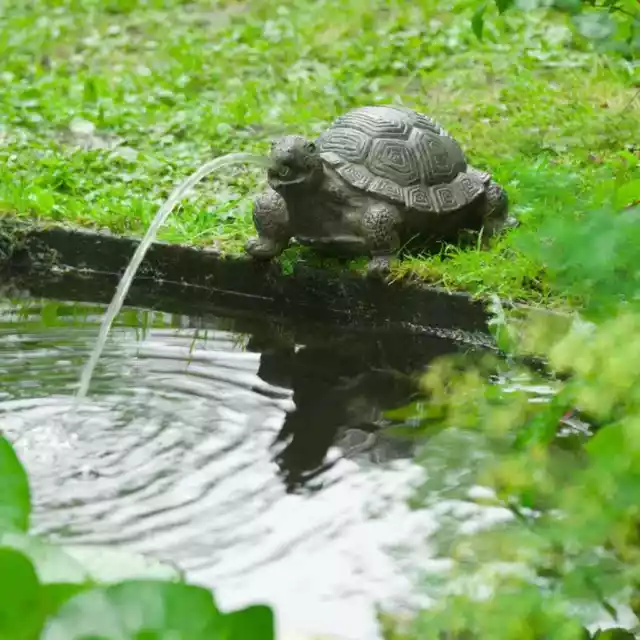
[247, 453]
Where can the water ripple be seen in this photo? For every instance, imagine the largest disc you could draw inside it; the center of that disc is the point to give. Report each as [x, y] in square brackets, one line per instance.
[176, 453]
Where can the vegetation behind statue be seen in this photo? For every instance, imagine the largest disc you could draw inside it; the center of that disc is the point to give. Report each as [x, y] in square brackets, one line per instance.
[569, 556]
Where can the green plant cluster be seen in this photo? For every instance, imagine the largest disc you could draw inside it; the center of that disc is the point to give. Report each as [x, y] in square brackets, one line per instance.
[566, 554]
[54, 592]
[563, 561]
[613, 26]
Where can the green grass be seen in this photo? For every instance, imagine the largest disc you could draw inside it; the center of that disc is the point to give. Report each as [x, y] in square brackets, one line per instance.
[169, 84]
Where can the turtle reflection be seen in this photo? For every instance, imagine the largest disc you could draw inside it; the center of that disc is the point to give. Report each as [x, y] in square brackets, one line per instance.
[342, 387]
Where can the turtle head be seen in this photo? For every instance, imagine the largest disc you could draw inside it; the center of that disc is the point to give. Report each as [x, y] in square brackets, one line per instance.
[295, 164]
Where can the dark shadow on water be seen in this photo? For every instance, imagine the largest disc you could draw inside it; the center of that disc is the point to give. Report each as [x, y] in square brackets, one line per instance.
[342, 386]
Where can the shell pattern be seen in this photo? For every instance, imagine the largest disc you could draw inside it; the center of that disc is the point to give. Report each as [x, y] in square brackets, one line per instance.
[402, 156]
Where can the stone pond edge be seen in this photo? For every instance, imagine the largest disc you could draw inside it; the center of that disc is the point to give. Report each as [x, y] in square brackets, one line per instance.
[47, 257]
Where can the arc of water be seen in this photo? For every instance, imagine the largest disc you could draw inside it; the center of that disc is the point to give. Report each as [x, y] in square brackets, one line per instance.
[125, 282]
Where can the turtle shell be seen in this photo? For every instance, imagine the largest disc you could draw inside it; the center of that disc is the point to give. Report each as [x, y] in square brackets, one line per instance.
[402, 156]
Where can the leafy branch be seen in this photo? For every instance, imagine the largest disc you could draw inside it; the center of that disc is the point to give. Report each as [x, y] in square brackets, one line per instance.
[593, 20]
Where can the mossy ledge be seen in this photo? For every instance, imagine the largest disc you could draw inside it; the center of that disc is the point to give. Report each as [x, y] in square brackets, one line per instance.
[203, 280]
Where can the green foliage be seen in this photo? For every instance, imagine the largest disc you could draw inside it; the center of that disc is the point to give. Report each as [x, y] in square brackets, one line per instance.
[151, 609]
[14, 491]
[609, 25]
[19, 596]
[53, 592]
[567, 553]
[601, 269]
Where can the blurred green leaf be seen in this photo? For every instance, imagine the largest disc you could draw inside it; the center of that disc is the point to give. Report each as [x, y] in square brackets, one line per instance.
[21, 612]
[104, 564]
[628, 194]
[54, 595]
[50, 560]
[90, 90]
[15, 498]
[77, 563]
[255, 622]
[503, 5]
[570, 6]
[477, 21]
[593, 257]
[407, 412]
[615, 634]
[543, 427]
[138, 609]
[596, 25]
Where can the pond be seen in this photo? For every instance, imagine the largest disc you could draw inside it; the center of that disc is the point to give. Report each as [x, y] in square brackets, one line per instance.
[251, 453]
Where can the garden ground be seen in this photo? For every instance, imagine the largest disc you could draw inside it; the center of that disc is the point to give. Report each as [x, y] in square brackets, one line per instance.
[107, 104]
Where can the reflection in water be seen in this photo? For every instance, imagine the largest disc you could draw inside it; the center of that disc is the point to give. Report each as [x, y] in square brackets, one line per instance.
[341, 387]
[249, 455]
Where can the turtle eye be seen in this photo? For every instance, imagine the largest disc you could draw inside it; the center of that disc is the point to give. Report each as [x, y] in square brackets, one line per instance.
[312, 147]
[284, 171]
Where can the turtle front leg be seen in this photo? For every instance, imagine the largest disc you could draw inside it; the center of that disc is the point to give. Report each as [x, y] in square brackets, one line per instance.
[496, 216]
[379, 225]
[271, 220]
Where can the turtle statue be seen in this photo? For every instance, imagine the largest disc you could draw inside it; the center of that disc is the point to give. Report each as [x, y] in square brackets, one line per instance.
[380, 178]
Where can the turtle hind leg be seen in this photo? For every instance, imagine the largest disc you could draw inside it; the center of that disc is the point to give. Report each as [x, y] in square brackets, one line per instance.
[271, 220]
[496, 216]
[379, 225]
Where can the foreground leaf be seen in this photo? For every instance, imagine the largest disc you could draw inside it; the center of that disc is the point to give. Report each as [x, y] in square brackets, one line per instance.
[21, 613]
[112, 565]
[256, 622]
[129, 609]
[614, 634]
[79, 564]
[503, 5]
[54, 595]
[15, 499]
[50, 561]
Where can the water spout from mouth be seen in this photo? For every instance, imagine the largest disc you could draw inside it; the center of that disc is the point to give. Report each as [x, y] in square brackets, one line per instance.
[163, 213]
